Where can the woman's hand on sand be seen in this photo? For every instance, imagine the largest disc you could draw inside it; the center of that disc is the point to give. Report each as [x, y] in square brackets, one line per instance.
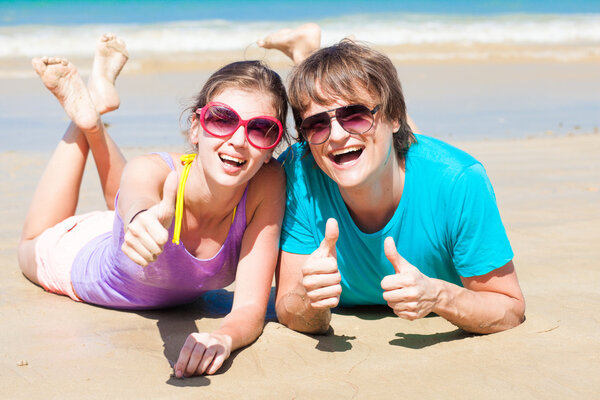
[408, 292]
[321, 277]
[202, 353]
[147, 233]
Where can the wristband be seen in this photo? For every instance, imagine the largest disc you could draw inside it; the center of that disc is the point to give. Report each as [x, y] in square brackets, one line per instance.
[136, 214]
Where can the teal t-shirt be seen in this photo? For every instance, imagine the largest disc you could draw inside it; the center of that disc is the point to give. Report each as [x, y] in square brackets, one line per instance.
[447, 223]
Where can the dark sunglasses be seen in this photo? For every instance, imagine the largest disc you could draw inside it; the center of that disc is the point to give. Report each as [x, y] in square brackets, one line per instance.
[220, 120]
[356, 119]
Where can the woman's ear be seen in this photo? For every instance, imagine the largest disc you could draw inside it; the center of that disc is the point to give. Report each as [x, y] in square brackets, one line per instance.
[194, 129]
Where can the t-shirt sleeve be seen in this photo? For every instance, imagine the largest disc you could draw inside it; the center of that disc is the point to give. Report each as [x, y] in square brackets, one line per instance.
[296, 233]
[480, 243]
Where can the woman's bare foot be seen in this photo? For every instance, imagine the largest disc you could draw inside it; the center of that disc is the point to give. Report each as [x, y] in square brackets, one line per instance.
[63, 80]
[111, 55]
[296, 43]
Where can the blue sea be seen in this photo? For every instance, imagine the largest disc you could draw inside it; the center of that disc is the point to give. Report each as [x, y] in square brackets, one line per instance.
[155, 27]
[31, 28]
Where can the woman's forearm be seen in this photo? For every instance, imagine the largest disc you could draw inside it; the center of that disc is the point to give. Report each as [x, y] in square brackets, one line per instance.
[243, 325]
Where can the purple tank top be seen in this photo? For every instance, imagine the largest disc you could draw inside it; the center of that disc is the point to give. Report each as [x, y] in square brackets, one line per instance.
[102, 274]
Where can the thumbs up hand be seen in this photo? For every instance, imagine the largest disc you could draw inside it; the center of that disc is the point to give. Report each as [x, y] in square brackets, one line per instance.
[321, 278]
[165, 210]
[148, 231]
[408, 292]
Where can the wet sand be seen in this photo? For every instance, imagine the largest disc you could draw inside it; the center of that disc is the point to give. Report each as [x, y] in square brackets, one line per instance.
[548, 190]
[456, 100]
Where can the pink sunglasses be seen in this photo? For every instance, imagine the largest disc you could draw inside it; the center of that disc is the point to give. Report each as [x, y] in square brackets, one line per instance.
[220, 120]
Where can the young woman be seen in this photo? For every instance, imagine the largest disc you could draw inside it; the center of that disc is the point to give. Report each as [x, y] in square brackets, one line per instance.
[182, 224]
[377, 214]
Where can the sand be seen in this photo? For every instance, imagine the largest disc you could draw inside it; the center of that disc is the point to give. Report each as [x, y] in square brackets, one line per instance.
[548, 190]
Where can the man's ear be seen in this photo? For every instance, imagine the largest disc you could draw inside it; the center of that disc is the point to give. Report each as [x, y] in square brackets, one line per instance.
[269, 156]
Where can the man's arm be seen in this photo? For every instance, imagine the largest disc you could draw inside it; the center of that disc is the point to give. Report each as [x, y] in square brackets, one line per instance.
[486, 304]
[308, 285]
[292, 304]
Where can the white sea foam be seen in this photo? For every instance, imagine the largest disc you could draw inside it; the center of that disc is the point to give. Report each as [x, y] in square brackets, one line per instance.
[398, 29]
[515, 29]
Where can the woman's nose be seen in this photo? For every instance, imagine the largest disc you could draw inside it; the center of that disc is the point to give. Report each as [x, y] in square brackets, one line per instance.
[238, 138]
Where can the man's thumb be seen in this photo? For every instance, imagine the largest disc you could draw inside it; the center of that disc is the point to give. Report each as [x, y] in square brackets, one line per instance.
[332, 232]
[167, 204]
[389, 247]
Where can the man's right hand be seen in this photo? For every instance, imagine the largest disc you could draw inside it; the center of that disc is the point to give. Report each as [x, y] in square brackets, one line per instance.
[321, 278]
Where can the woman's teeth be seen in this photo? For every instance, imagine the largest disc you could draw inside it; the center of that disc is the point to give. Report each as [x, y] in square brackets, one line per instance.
[235, 160]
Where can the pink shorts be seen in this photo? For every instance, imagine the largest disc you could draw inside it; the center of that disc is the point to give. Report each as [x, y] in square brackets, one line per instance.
[56, 248]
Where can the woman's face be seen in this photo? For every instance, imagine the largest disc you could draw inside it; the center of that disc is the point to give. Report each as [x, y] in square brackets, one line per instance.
[232, 160]
[355, 160]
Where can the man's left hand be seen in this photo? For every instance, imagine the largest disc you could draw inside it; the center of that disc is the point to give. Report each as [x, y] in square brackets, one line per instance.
[408, 292]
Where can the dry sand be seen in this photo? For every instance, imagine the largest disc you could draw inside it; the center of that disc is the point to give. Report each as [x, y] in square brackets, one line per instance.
[548, 190]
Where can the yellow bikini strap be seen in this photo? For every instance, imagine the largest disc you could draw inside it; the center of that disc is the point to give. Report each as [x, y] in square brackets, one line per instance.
[187, 163]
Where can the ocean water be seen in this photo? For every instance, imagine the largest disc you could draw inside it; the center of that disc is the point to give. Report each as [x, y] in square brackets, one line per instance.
[54, 12]
[31, 28]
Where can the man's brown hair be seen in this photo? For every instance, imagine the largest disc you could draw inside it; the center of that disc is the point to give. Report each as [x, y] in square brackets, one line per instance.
[356, 74]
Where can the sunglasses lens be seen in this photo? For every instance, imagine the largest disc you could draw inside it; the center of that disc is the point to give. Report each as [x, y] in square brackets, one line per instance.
[354, 119]
[316, 128]
[263, 132]
[220, 121]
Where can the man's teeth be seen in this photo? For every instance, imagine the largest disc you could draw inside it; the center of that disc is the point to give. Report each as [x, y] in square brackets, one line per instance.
[233, 159]
[346, 150]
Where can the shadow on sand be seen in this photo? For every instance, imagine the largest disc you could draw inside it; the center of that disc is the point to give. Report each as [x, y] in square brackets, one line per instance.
[176, 323]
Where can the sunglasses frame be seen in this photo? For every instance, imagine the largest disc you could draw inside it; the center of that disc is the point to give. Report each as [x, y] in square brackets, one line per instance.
[241, 122]
[372, 111]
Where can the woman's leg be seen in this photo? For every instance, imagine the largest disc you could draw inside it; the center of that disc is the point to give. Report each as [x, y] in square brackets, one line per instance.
[297, 43]
[111, 55]
[57, 193]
